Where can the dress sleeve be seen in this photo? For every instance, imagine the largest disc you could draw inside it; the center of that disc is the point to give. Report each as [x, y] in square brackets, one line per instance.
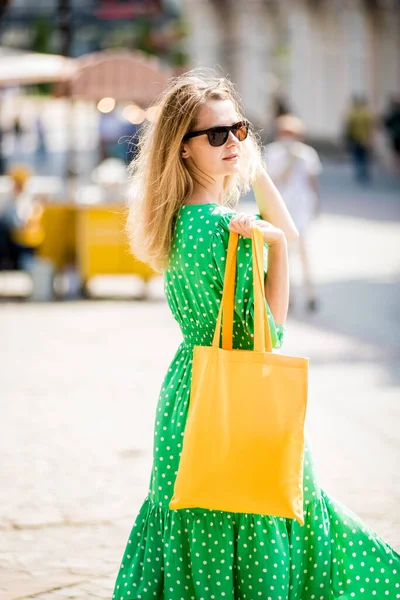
[244, 294]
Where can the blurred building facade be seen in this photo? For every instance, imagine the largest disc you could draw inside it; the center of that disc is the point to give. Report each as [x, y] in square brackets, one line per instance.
[310, 55]
[153, 26]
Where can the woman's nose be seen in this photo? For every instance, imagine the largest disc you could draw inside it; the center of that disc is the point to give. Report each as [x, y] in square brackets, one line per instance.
[232, 139]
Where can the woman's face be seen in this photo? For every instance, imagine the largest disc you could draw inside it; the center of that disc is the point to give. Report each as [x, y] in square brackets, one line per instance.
[199, 154]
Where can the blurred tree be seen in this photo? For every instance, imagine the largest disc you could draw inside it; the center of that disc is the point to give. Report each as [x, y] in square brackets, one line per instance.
[117, 37]
[164, 40]
[144, 42]
[42, 30]
[179, 56]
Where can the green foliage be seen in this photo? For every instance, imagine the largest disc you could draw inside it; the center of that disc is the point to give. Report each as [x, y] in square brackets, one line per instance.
[41, 38]
[143, 31]
[42, 30]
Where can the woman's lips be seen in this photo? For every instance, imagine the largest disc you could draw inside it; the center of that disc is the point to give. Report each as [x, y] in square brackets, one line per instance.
[231, 157]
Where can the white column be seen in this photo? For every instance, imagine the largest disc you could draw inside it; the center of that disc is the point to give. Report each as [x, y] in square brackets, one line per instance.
[388, 81]
[203, 42]
[253, 69]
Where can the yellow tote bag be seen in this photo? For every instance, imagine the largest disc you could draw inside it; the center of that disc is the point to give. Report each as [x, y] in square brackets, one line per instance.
[244, 439]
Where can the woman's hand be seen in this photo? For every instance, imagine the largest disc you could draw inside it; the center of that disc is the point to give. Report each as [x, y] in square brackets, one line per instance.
[243, 223]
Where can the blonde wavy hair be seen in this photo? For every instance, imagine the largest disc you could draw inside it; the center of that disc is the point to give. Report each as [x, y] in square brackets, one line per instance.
[160, 182]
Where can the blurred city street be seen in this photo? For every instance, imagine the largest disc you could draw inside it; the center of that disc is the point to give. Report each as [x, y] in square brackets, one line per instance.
[80, 382]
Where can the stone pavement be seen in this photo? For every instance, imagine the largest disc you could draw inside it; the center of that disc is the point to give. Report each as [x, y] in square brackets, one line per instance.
[79, 383]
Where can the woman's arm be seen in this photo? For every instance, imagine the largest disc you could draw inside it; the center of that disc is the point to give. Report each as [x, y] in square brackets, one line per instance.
[277, 281]
[271, 206]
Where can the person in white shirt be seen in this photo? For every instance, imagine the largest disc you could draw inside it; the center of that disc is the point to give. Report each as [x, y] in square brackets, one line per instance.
[294, 168]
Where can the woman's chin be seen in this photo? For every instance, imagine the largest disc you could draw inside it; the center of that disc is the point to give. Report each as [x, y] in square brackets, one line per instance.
[231, 168]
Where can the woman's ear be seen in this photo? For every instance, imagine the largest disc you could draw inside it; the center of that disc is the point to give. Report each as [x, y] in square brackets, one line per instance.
[184, 151]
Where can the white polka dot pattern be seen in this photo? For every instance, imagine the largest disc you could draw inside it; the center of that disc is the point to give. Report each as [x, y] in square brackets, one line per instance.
[198, 554]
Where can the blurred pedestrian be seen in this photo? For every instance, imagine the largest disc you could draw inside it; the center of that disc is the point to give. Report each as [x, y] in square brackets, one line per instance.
[21, 230]
[391, 122]
[17, 127]
[294, 168]
[18, 132]
[359, 129]
[41, 148]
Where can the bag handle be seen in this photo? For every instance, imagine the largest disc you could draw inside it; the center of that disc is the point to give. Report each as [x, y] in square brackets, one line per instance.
[262, 334]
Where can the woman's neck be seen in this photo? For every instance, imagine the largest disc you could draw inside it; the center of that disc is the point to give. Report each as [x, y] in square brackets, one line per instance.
[210, 194]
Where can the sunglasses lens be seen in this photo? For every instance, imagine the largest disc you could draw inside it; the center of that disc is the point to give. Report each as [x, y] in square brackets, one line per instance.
[218, 136]
[241, 131]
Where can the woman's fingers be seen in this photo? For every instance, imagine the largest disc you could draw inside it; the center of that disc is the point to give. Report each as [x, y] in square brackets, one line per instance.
[242, 224]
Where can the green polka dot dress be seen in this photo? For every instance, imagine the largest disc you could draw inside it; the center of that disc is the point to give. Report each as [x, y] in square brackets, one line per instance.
[199, 554]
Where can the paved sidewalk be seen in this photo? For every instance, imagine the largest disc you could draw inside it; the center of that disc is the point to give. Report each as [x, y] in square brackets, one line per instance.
[82, 381]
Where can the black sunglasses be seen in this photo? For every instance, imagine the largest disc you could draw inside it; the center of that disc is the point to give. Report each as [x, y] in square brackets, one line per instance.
[217, 136]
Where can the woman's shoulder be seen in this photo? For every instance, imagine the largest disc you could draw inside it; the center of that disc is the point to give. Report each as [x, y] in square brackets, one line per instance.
[214, 216]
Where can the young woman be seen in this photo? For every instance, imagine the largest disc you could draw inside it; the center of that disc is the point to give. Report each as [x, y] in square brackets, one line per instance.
[192, 165]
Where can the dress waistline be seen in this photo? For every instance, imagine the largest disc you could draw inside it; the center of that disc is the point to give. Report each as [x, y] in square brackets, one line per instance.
[197, 336]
